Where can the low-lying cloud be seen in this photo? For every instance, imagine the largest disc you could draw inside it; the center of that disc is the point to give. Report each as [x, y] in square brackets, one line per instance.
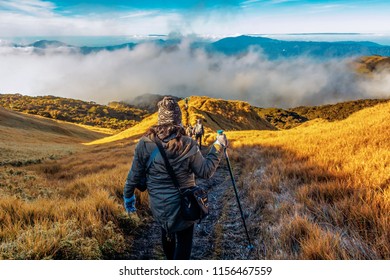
[124, 74]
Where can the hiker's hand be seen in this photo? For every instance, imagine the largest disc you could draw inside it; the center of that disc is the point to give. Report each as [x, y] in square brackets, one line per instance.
[222, 140]
[130, 204]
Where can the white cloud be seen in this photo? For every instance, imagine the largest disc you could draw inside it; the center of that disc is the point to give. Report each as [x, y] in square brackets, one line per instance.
[140, 14]
[248, 2]
[30, 7]
[321, 8]
[282, 1]
[123, 74]
[39, 18]
[16, 23]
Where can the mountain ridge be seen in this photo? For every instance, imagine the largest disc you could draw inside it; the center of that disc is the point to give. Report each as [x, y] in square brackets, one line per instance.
[231, 115]
[123, 116]
[27, 139]
[115, 115]
[279, 48]
[215, 113]
[272, 48]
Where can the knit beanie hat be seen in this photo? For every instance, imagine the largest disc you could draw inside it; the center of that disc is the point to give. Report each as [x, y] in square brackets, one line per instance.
[168, 111]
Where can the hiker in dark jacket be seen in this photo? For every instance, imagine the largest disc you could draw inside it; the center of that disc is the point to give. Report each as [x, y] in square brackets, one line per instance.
[186, 161]
[189, 130]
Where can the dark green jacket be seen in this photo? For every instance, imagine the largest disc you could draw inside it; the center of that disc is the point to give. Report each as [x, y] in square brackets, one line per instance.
[164, 197]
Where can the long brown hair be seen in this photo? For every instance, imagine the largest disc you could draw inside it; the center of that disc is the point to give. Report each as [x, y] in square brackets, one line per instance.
[165, 130]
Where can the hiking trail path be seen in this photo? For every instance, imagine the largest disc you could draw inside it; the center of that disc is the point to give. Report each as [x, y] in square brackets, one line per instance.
[221, 235]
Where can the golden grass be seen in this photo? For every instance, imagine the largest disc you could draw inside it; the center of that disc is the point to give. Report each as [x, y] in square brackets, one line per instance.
[366, 65]
[67, 209]
[215, 113]
[101, 130]
[28, 139]
[357, 145]
[321, 190]
[224, 114]
[137, 130]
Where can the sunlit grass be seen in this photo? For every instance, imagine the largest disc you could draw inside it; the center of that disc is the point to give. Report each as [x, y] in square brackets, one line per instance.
[320, 190]
[67, 209]
[26, 139]
[215, 113]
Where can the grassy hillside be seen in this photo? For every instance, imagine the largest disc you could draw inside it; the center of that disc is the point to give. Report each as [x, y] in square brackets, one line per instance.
[27, 139]
[69, 208]
[117, 115]
[280, 118]
[321, 190]
[333, 112]
[370, 64]
[57, 198]
[215, 113]
[222, 114]
[317, 191]
[237, 115]
[293, 117]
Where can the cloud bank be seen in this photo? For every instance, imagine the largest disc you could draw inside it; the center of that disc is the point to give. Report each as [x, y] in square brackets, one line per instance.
[123, 74]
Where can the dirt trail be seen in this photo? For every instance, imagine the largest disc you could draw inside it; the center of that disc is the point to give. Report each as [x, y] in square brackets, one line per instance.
[219, 236]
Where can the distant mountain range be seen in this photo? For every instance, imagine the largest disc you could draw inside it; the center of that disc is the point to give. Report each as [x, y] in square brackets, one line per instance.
[277, 48]
[273, 49]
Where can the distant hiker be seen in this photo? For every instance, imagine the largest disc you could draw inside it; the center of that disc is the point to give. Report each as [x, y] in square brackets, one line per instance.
[198, 131]
[186, 161]
[189, 130]
[186, 102]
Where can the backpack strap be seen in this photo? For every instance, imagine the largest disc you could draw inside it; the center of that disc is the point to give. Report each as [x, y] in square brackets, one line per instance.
[151, 158]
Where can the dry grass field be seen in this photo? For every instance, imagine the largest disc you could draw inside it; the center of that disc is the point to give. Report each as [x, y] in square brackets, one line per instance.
[366, 65]
[215, 113]
[321, 190]
[26, 139]
[69, 208]
[53, 201]
[318, 191]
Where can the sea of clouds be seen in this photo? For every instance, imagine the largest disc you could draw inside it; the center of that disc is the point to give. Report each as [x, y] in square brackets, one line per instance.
[182, 71]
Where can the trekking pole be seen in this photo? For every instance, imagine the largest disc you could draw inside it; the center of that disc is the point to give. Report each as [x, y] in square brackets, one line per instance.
[250, 246]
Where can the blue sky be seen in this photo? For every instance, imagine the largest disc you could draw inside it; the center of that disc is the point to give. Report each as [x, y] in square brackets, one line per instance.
[215, 17]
